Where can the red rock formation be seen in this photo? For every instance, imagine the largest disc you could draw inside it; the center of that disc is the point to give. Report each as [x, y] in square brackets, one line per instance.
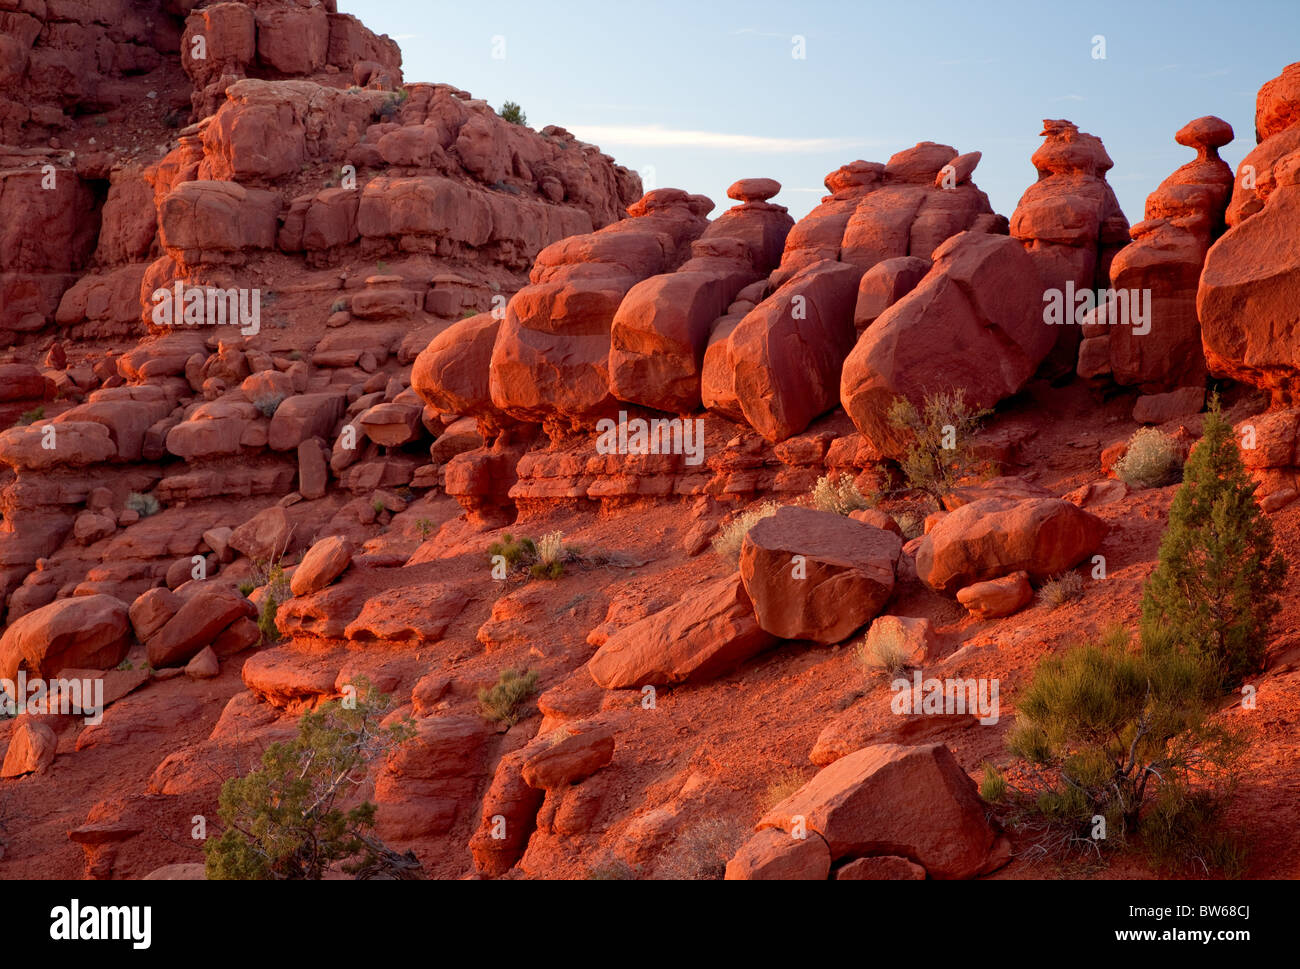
[1248, 289]
[1183, 218]
[550, 363]
[1070, 222]
[974, 322]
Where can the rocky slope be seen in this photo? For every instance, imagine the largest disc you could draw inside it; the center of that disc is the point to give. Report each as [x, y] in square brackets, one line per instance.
[444, 316]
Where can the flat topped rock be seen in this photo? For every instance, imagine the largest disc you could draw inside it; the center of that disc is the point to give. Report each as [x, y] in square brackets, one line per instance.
[754, 189]
[1205, 133]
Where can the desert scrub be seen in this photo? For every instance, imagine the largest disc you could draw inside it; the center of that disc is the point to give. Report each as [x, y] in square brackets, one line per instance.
[702, 851]
[513, 113]
[286, 819]
[424, 528]
[840, 496]
[551, 554]
[782, 786]
[731, 537]
[504, 702]
[142, 505]
[392, 104]
[911, 523]
[938, 454]
[1151, 461]
[883, 654]
[1057, 591]
[613, 870]
[268, 404]
[29, 417]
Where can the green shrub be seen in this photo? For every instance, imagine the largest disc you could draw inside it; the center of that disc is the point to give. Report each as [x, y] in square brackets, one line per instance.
[1111, 730]
[513, 113]
[142, 505]
[29, 417]
[266, 619]
[1185, 832]
[503, 703]
[424, 527]
[516, 552]
[286, 819]
[391, 105]
[246, 588]
[840, 496]
[993, 786]
[731, 536]
[1151, 461]
[1215, 588]
[271, 574]
[938, 454]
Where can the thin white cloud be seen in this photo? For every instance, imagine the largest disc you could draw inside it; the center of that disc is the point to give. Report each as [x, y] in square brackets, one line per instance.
[658, 136]
[407, 36]
[1070, 97]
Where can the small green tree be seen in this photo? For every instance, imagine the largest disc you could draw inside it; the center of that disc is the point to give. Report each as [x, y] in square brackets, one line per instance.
[287, 819]
[1121, 734]
[513, 113]
[1215, 589]
[939, 453]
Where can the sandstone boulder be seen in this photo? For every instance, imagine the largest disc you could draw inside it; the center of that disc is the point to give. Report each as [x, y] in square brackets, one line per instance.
[817, 575]
[324, 562]
[788, 351]
[710, 631]
[973, 323]
[996, 537]
[568, 759]
[914, 802]
[32, 746]
[773, 855]
[91, 632]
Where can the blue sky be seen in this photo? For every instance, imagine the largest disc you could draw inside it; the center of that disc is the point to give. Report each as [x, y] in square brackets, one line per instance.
[706, 92]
